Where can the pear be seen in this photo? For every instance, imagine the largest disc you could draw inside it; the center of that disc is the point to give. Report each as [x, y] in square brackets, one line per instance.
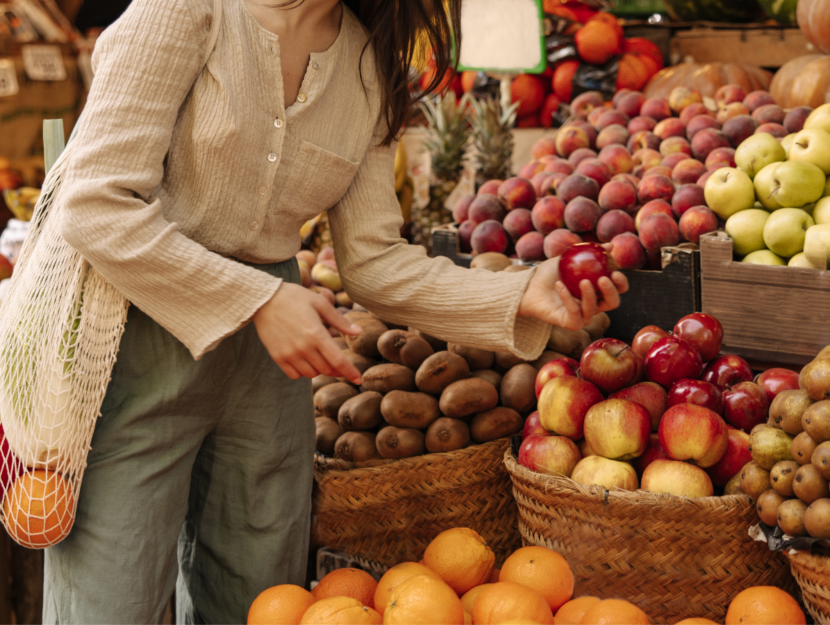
[821, 459]
[733, 486]
[816, 421]
[824, 353]
[767, 506]
[802, 448]
[754, 479]
[809, 485]
[791, 517]
[817, 519]
[781, 477]
[770, 446]
[787, 408]
[815, 379]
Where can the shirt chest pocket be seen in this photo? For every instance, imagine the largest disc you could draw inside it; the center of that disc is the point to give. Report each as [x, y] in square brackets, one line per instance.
[317, 181]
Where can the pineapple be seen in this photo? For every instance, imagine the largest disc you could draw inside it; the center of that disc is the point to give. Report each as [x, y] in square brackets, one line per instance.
[492, 142]
[446, 140]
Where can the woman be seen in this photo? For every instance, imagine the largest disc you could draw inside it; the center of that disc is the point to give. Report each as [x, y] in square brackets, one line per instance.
[187, 188]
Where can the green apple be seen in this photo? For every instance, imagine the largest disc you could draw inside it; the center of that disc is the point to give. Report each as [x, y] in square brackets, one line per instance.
[821, 213]
[746, 229]
[758, 151]
[764, 187]
[729, 191]
[787, 141]
[800, 260]
[819, 118]
[785, 230]
[795, 183]
[817, 246]
[811, 145]
[763, 257]
[827, 187]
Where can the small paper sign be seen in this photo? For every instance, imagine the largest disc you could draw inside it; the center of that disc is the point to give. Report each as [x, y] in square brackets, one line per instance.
[43, 63]
[8, 78]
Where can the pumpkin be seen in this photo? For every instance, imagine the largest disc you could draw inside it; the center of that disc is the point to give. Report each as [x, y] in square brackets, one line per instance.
[804, 81]
[782, 11]
[707, 78]
[814, 22]
[712, 10]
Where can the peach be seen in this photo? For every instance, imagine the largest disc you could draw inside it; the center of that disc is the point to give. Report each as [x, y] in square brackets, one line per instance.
[672, 160]
[465, 233]
[721, 155]
[309, 257]
[675, 144]
[327, 253]
[563, 404]
[670, 127]
[656, 108]
[582, 214]
[685, 197]
[729, 111]
[692, 111]
[551, 184]
[739, 128]
[698, 123]
[776, 130]
[619, 95]
[611, 135]
[697, 221]
[655, 188]
[569, 139]
[650, 396]
[594, 116]
[707, 140]
[643, 139]
[628, 252]
[305, 276]
[692, 432]
[688, 171]
[618, 195]
[611, 117]
[517, 223]
[617, 159]
[491, 187]
[651, 208]
[548, 214]
[596, 169]
[701, 182]
[617, 429]
[580, 155]
[653, 452]
[583, 104]
[517, 192]
[757, 99]
[647, 157]
[546, 158]
[794, 121]
[538, 182]
[559, 165]
[577, 185]
[729, 94]
[486, 207]
[612, 223]
[530, 247]
[543, 147]
[588, 129]
[630, 103]
[641, 123]
[680, 479]
[461, 209]
[681, 97]
[560, 240]
[660, 170]
[658, 231]
[531, 169]
[769, 114]
[489, 236]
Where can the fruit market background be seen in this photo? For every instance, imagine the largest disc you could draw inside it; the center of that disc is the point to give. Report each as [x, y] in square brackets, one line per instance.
[692, 134]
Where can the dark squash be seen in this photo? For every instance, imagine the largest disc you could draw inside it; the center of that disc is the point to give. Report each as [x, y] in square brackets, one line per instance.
[707, 78]
[804, 81]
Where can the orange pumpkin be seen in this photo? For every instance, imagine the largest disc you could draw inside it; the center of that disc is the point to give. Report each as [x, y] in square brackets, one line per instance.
[804, 81]
[814, 21]
[707, 78]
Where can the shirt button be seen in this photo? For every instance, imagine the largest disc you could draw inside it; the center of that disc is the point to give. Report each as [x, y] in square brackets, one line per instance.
[272, 157]
[272, 49]
[278, 123]
[262, 191]
[315, 65]
[254, 225]
[302, 98]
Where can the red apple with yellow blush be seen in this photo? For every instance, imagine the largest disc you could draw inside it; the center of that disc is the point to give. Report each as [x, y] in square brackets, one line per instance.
[690, 432]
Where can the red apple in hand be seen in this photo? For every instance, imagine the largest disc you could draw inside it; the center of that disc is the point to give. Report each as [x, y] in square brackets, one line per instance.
[617, 429]
[553, 455]
[776, 380]
[676, 478]
[690, 432]
[647, 337]
[696, 392]
[704, 332]
[745, 405]
[555, 369]
[611, 365]
[671, 359]
[653, 452]
[584, 261]
[727, 371]
[563, 404]
[650, 396]
[533, 425]
[736, 456]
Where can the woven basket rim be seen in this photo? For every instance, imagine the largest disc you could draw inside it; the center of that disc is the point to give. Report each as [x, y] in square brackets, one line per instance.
[638, 497]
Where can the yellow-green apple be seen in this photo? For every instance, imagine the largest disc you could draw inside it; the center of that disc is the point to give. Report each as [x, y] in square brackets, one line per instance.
[764, 187]
[563, 404]
[826, 187]
[533, 425]
[696, 392]
[691, 432]
[785, 231]
[736, 456]
[764, 257]
[671, 359]
[676, 478]
[650, 396]
[819, 118]
[745, 405]
[617, 429]
[555, 369]
[552, 455]
[821, 212]
[746, 229]
[703, 331]
[585, 449]
[817, 245]
[729, 191]
[787, 142]
[610, 474]
[653, 452]
[757, 152]
[800, 260]
[611, 365]
[647, 337]
[796, 183]
[726, 371]
[812, 145]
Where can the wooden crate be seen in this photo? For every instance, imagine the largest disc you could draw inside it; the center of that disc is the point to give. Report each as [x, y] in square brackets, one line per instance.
[766, 47]
[769, 314]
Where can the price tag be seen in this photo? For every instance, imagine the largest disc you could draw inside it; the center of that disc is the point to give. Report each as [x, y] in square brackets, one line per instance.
[43, 63]
[8, 78]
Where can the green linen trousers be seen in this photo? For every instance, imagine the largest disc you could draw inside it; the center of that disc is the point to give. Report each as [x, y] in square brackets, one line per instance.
[199, 479]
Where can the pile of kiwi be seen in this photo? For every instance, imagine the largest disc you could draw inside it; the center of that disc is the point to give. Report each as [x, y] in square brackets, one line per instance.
[423, 395]
[789, 476]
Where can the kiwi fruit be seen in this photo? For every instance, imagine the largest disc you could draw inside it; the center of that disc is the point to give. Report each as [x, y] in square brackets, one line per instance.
[409, 410]
[328, 431]
[439, 371]
[340, 342]
[327, 400]
[361, 412]
[404, 348]
[394, 442]
[491, 261]
[468, 396]
[366, 343]
[571, 343]
[770, 445]
[387, 378]
[817, 519]
[447, 434]
[815, 379]
[320, 381]
[436, 344]
[545, 358]
[361, 363]
[754, 479]
[791, 517]
[787, 409]
[518, 389]
[356, 447]
[489, 375]
[476, 358]
[802, 448]
[598, 326]
[781, 477]
[517, 268]
[733, 486]
[821, 459]
[507, 360]
[809, 485]
[495, 423]
[767, 506]
[816, 421]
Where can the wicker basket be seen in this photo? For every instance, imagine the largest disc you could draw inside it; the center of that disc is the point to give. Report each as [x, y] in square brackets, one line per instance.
[812, 572]
[674, 557]
[386, 512]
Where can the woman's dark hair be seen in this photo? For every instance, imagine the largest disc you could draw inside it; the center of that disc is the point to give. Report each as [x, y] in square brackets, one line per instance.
[395, 27]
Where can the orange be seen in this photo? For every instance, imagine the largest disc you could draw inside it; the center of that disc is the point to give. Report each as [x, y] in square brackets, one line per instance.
[469, 598]
[632, 73]
[543, 570]
[762, 605]
[285, 603]
[549, 108]
[554, 7]
[529, 92]
[575, 609]
[494, 576]
[396, 576]
[614, 612]
[561, 620]
[644, 46]
[468, 80]
[609, 19]
[423, 600]
[503, 601]
[468, 618]
[340, 611]
[520, 621]
[39, 508]
[563, 77]
[352, 583]
[461, 558]
[597, 42]
[696, 621]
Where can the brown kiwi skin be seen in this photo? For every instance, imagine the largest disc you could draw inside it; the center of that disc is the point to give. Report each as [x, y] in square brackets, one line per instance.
[361, 363]
[782, 475]
[393, 443]
[438, 345]
[495, 423]
[754, 479]
[767, 507]
[361, 412]
[791, 517]
[469, 396]
[493, 377]
[366, 343]
[409, 410]
[320, 381]
[817, 519]
[506, 361]
[809, 485]
[327, 400]
[518, 389]
[387, 378]
[816, 421]
[356, 447]
[439, 371]
[476, 358]
[404, 348]
[802, 448]
[327, 433]
[447, 434]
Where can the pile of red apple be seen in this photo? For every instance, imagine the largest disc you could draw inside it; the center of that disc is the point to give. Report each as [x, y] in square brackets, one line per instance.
[631, 172]
[666, 414]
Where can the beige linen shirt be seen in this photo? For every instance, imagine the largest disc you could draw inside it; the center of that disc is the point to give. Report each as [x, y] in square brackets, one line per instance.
[178, 167]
